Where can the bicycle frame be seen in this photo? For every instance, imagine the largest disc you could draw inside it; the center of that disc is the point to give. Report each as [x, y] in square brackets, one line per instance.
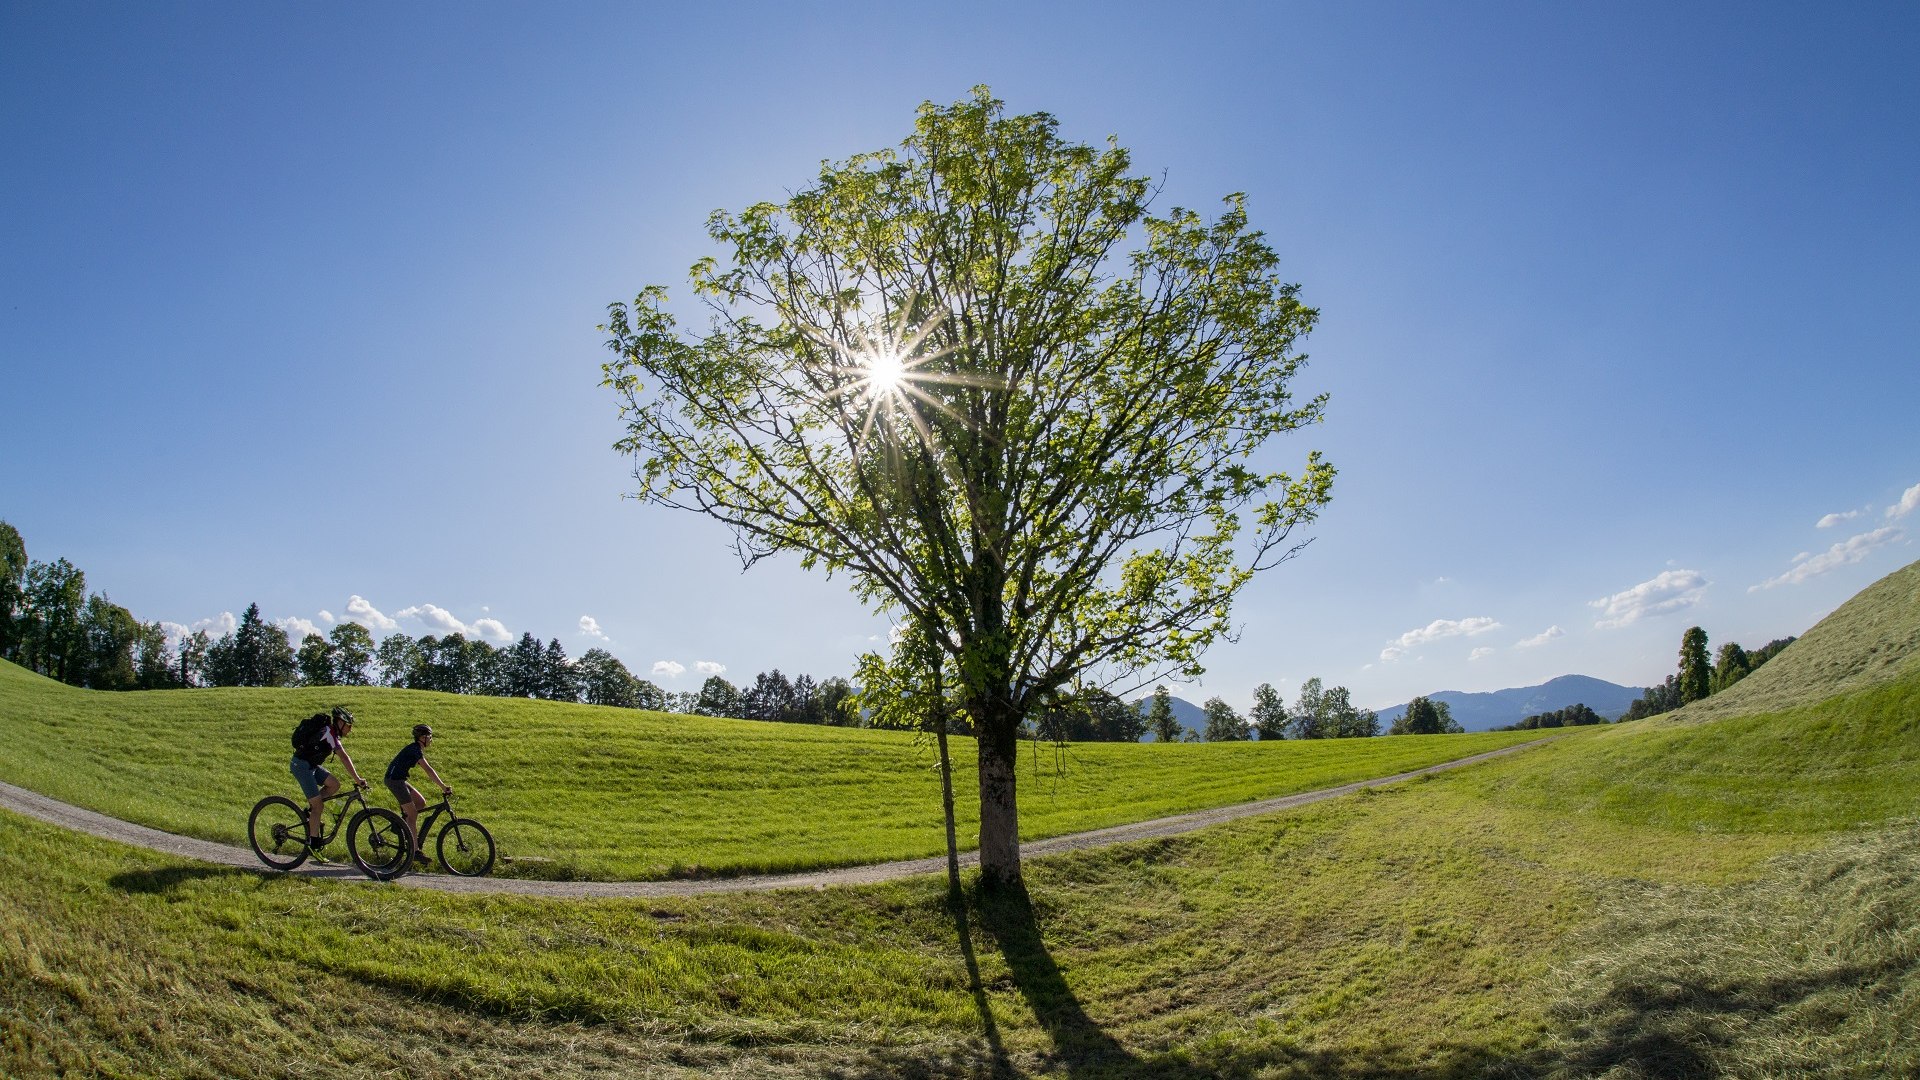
[351, 795]
[431, 817]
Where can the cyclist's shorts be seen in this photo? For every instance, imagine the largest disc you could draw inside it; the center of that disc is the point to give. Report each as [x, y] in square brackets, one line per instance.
[311, 777]
[402, 791]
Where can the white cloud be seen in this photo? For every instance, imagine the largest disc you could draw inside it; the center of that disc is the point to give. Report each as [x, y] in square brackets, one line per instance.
[1844, 553]
[1445, 628]
[591, 627]
[1908, 503]
[298, 627]
[217, 627]
[1673, 590]
[492, 630]
[1831, 520]
[669, 669]
[1542, 637]
[708, 667]
[1480, 654]
[435, 618]
[1391, 653]
[327, 616]
[358, 610]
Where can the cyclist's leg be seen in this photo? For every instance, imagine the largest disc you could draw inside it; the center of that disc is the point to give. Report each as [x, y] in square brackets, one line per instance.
[328, 787]
[316, 783]
[411, 803]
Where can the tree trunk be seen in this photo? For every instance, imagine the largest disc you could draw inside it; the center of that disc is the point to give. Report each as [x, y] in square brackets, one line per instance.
[946, 805]
[999, 810]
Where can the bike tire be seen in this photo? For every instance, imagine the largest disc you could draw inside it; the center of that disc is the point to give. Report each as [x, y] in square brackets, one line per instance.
[277, 829]
[465, 848]
[380, 844]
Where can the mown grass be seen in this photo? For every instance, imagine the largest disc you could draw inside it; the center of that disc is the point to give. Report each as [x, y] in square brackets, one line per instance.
[585, 792]
[1744, 908]
[1494, 921]
[1871, 640]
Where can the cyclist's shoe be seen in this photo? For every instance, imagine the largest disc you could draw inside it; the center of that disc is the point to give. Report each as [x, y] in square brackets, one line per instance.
[314, 855]
[421, 861]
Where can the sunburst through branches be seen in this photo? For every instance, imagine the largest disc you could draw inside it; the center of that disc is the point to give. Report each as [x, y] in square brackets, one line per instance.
[885, 367]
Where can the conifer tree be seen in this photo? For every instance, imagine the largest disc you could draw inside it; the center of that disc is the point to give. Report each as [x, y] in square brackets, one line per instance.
[1696, 669]
[1160, 718]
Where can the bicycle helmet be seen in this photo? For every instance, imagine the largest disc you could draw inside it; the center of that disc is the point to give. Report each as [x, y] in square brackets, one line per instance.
[421, 729]
[341, 715]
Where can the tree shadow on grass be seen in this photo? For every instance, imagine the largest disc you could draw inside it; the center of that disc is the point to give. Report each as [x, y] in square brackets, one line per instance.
[169, 878]
[1079, 1048]
[1664, 1027]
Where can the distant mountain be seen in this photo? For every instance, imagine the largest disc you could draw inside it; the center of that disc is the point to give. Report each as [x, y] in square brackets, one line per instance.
[1185, 711]
[1498, 708]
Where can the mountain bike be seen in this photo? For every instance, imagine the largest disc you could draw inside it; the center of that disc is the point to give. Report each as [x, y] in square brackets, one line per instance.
[464, 846]
[377, 838]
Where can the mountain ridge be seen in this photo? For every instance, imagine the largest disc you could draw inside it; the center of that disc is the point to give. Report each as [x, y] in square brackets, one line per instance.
[1486, 710]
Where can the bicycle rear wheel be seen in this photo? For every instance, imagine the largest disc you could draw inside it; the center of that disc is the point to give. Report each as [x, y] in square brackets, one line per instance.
[277, 829]
[466, 848]
[378, 840]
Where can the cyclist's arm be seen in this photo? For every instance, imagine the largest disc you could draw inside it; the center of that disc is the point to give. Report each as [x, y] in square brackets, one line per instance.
[436, 776]
[347, 760]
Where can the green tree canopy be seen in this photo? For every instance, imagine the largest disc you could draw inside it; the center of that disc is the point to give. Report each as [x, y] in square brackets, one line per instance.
[981, 377]
[314, 658]
[352, 653]
[1696, 669]
[1160, 719]
[1425, 716]
[1224, 724]
[13, 589]
[1269, 713]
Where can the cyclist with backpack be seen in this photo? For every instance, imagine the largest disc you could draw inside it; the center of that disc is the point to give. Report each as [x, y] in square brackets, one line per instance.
[410, 799]
[317, 738]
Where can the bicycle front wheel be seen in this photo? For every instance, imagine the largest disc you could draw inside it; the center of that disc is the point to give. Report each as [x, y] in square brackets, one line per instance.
[277, 829]
[466, 848]
[377, 839]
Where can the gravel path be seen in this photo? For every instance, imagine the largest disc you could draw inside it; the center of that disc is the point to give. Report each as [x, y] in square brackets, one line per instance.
[72, 817]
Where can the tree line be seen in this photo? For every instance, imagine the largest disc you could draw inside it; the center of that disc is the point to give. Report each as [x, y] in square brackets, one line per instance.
[1577, 715]
[51, 625]
[1320, 712]
[1699, 677]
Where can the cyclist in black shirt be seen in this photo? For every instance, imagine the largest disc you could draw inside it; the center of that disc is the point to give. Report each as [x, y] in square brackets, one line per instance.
[411, 801]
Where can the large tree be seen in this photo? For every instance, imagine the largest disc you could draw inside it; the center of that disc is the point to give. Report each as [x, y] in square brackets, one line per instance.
[983, 378]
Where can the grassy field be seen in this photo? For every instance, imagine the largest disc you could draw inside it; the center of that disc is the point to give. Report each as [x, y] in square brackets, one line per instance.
[618, 794]
[1744, 908]
[1463, 925]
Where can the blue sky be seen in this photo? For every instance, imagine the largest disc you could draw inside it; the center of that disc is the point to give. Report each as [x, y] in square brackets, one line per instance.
[1618, 306]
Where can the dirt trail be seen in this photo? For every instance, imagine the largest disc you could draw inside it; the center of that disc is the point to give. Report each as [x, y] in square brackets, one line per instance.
[38, 806]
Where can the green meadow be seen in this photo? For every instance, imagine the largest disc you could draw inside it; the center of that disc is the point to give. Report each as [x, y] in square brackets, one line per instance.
[580, 791]
[1728, 896]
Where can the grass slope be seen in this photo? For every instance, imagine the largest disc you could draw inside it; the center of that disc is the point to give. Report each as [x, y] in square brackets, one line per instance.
[1870, 640]
[619, 794]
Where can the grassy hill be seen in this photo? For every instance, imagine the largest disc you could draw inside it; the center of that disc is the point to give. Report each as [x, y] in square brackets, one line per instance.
[1726, 896]
[1871, 640]
[618, 794]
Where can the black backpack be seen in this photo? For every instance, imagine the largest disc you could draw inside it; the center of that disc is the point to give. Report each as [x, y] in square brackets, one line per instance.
[309, 738]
